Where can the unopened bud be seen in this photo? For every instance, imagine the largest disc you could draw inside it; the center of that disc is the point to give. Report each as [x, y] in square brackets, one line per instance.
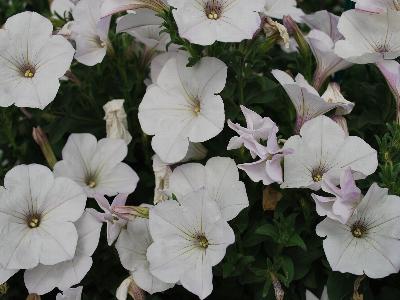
[129, 287]
[33, 297]
[279, 292]
[131, 212]
[41, 139]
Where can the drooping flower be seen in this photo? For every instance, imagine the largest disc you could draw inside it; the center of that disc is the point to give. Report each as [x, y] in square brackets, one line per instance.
[190, 237]
[370, 241]
[96, 165]
[377, 6]
[333, 95]
[114, 221]
[37, 212]
[391, 71]
[204, 22]
[321, 149]
[147, 28]
[369, 37]
[132, 247]
[70, 294]
[90, 32]
[268, 168]
[220, 179]
[256, 126]
[116, 120]
[111, 7]
[183, 106]
[306, 100]
[279, 8]
[62, 7]
[44, 278]
[32, 61]
[341, 206]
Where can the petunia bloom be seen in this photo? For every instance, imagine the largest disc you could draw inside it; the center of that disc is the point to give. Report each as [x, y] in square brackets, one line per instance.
[204, 22]
[279, 8]
[342, 205]
[132, 247]
[333, 95]
[116, 120]
[44, 278]
[190, 237]
[219, 177]
[369, 242]
[90, 33]
[32, 61]
[256, 126]
[322, 149]
[96, 165]
[70, 294]
[306, 100]
[37, 212]
[377, 6]
[369, 37]
[183, 106]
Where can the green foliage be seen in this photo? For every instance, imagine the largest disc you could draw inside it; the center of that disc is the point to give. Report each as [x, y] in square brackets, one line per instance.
[283, 242]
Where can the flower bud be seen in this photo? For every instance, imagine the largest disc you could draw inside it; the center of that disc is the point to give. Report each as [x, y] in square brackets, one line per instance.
[131, 212]
[41, 139]
[128, 286]
[116, 120]
[33, 297]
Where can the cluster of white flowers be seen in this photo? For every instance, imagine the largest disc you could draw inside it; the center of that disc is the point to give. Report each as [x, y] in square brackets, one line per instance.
[45, 228]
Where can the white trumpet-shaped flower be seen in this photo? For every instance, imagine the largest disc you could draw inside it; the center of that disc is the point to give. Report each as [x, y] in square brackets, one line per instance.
[279, 8]
[322, 148]
[369, 242]
[37, 212]
[204, 22]
[190, 237]
[97, 165]
[369, 37]
[183, 106]
[32, 61]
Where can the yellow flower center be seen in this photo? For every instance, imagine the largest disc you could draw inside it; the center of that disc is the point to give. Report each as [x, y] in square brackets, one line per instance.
[213, 15]
[358, 230]
[317, 177]
[33, 222]
[203, 242]
[29, 73]
[91, 183]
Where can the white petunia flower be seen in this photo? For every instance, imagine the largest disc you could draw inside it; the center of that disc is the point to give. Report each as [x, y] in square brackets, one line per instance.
[369, 37]
[306, 100]
[370, 241]
[183, 106]
[146, 27]
[116, 120]
[323, 148]
[326, 22]
[96, 165]
[279, 8]
[6, 274]
[132, 247]
[158, 63]
[90, 32]
[44, 278]
[206, 21]
[37, 212]
[62, 7]
[377, 6]
[190, 237]
[32, 61]
[70, 294]
[219, 177]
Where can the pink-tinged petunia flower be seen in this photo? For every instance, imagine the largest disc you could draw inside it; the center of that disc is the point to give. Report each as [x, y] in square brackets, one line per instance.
[114, 221]
[256, 126]
[391, 71]
[346, 197]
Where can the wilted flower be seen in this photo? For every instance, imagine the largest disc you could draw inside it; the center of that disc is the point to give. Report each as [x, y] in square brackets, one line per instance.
[369, 37]
[190, 237]
[333, 95]
[322, 149]
[346, 198]
[116, 121]
[183, 106]
[305, 98]
[32, 61]
[204, 22]
[279, 8]
[129, 287]
[277, 31]
[70, 294]
[132, 247]
[369, 242]
[219, 177]
[96, 165]
[90, 33]
[36, 218]
[44, 278]
[257, 127]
